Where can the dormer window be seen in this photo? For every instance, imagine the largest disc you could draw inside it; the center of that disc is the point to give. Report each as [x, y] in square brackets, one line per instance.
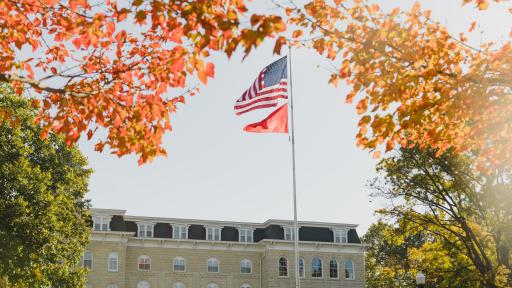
[179, 232]
[245, 235]
[289, 233]
[340, 236]
[213, 233]
[101, 223]
[145, 230]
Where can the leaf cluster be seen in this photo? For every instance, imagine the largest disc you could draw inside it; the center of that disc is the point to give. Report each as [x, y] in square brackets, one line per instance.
[413, 81]
[117, 61]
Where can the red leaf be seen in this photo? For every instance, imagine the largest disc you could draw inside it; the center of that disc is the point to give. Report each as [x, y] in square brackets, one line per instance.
[210, 70]
[111, 28]
[176, 35]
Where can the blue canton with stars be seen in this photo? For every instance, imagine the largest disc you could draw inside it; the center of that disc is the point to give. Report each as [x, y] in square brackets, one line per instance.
[275, 72]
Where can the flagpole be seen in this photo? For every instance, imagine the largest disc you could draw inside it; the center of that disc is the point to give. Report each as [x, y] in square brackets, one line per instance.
[292, 139]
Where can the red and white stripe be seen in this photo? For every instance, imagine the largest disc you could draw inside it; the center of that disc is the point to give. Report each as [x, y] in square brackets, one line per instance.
[258, 96]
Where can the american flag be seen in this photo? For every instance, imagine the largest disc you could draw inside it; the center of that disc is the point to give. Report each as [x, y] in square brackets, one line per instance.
[267, 89]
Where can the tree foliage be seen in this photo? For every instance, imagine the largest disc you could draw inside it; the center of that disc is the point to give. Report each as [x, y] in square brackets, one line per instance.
[113, 65]
[413, 80]
[44, 220]
[398, 251]
[110, 64]
[463, 219]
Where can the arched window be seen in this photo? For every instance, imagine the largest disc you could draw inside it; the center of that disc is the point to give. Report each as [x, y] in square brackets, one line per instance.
[113, 259]
[87, 260]
[213, 266]
[246, 266]
[179, 264]
[316, 267]
[333, 269]
[283, 267]
[301, 267]
[112, 286]
[143, 284]
[212, 285]
[246, 286]
[144, 263]
[349, 270]
[178, 285]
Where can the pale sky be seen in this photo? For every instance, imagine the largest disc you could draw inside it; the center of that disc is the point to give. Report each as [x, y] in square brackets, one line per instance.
[215, 170]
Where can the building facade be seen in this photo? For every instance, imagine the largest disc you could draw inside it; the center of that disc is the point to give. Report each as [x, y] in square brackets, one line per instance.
[148, 252]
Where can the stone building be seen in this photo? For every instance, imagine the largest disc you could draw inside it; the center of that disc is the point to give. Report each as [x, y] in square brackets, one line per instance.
[149, 252]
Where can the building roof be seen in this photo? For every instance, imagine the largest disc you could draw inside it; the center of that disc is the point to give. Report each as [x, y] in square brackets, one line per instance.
[101, 211]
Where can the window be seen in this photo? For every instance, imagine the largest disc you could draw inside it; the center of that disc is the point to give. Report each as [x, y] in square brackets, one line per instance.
[143, 284]
[113, 260]
[213, 265]
[289, 233]
[245, 286]
[340, 236]
[145, 230]
[213, 233]
[178, 285]
[144, 263]
[245, 235]
[179, 265]
[333, 269]
[301, 267]
[87, 260]
[212, 285]
[179, 232]
[349, 269]
[101, 223]
[112, 286]
[316, 267]
[283, 267]
[246, 266]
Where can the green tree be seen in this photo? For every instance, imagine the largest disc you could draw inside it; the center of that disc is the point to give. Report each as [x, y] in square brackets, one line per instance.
[463, 218]
[387, 263]
[398, 251]
[44, 219]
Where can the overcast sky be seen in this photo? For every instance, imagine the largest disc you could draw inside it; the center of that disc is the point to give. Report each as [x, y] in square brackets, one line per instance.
[217, 171]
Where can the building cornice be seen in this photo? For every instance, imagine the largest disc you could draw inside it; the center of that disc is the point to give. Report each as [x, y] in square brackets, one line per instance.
[111, 236]
[266, 244]
[109, 212]
[261, 246]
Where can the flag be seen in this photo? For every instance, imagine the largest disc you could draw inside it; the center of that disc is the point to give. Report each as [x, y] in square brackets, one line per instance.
[276, 122]
[270, 86]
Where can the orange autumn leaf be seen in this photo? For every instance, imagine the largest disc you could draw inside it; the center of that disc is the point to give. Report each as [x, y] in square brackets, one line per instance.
[473, 26]
[297, 33]
[210, 70]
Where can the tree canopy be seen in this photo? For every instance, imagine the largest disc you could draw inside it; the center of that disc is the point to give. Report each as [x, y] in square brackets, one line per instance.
[113, 66]
[109, 64]
[413, 80]
[399, 250]
[452, 221]
[44, 219]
